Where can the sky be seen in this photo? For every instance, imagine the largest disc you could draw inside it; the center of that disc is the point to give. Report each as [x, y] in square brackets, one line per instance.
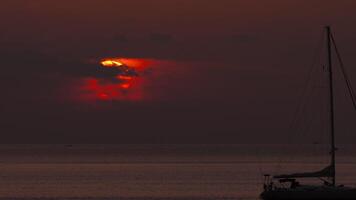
[227, 71]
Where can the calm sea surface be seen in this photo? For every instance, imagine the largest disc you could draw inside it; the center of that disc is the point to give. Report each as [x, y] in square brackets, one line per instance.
[114, 172]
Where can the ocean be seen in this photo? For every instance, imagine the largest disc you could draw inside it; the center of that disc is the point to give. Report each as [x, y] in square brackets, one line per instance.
[155, 172]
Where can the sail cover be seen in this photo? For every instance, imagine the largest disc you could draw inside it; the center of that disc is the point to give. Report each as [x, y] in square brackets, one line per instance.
[326, 172]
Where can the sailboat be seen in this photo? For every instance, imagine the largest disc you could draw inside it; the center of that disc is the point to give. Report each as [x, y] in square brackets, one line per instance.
[287, 186]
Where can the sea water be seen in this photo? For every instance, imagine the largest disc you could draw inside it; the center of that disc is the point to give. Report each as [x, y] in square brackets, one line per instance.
[153, 172]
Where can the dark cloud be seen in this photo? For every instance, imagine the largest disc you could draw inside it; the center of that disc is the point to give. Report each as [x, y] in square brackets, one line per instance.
[237, 67]
[242, 38]
[160, 38]
[121, 39]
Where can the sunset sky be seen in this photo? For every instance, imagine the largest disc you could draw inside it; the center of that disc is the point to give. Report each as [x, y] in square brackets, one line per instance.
[227, 71]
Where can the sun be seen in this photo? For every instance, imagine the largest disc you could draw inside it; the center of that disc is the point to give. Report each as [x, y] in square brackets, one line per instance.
[111, 63]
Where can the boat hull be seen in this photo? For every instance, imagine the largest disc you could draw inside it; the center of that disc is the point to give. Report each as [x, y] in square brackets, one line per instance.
[329, 193]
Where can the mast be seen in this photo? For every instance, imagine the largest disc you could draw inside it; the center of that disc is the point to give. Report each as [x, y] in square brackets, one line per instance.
[332, 120]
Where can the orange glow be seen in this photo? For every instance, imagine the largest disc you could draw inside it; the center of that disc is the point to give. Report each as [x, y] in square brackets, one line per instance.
[125, 86]
[126, 78]
[137, 80]
[103, 96]
[118, 91]
[135, 63]
[93, 89]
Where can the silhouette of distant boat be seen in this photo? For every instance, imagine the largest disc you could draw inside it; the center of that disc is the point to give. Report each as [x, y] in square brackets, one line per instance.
[287, 186]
